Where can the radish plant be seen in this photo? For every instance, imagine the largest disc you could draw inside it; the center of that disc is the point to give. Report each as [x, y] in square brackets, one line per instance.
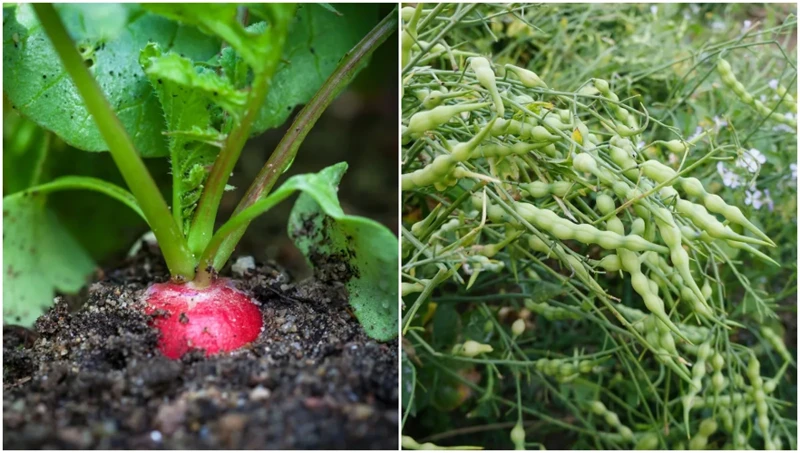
[573, 276]
[150, 81]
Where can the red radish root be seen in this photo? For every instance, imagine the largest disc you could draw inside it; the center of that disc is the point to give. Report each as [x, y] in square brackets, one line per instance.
[216, 318]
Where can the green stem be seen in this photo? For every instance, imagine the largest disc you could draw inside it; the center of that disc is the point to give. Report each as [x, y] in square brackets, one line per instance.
[202, 227]
[170, 239]
[287, 149]
[88, 183]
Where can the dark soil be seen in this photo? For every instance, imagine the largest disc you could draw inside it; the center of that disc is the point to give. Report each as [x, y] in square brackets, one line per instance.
[93, 378]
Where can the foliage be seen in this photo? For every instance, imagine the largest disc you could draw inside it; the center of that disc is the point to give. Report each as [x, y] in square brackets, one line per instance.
[533, 314]
[190, 82]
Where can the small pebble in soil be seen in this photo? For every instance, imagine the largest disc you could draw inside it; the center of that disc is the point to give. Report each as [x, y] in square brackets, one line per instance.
[243, 265]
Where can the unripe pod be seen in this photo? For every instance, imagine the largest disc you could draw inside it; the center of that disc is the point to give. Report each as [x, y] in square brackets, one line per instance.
[518, 327]
[518, 436]
[528, 78]
[485, 75]
[605, 204]
[611, 418]
[431, 119]
[676, 146]
[472, 348]
[649, 441]
[598, 407]
[601, 85]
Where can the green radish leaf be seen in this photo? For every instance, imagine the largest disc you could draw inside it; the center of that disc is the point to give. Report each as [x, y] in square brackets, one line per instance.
[38, 86]
[317, 40]
[221, 20]
[191, 98]
[39, 258]
[357, 251]
[25, 149]
[101, 21]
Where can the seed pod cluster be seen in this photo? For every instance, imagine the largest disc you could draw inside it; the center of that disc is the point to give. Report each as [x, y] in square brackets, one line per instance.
[729, 79]
[569, 189]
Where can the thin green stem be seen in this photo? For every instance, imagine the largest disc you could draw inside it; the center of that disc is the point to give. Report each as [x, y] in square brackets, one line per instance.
[287, 149]
[202, 227]
[173, 246]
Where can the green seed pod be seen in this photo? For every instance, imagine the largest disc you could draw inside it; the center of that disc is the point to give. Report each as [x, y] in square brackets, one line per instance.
[611, 418]
[518, 436]
[472, 348]
[648, 441]
[777, 343]
[556, 123]
[518, 327]
[671, 235]
[431, 119]
[567, 369]
[610, 263]
[598, 407]
[528, 78]
[676, 146]
[601, 85]
[657, 171]
[485, 75]
[605, 204]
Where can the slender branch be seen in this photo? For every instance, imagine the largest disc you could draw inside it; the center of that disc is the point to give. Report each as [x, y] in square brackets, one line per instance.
[173, 246]
[287, 149]
[202, 227]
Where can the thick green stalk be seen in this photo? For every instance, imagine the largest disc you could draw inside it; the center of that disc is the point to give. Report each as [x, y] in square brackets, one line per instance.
[170, 239]
[287, 149]
[202, 227]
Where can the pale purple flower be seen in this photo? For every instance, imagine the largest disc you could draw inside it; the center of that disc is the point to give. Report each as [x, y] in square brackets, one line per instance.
[673, 159]
[751, 159]
[747, 24]
[697, 132]
[753, 198]
[793, 168]
[773, 84]
[719, 123]
[653, 9]
[729, 178]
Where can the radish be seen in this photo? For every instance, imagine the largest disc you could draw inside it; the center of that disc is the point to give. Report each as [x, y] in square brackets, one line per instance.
[216, 318]
[207, 118]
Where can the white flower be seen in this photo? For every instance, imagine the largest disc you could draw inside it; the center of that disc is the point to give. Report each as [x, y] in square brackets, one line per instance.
[793, 168]
[763, 98]
[783, 128]
[729, 178]
[754, 198]
[746, 24]
[773, 84]
[720, 123]
[718, 25]
[751, 160]
[654, 9]
[695, 9]
[697, 132]
[673, 159]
